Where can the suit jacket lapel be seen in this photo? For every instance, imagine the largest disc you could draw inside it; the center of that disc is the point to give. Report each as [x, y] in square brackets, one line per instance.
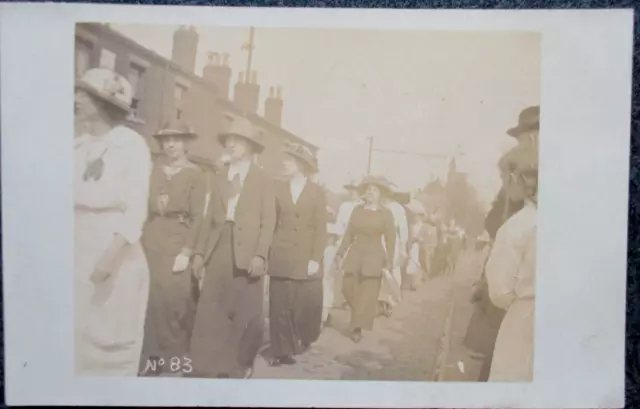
[306, 191]
[248, 184]
[223, 185]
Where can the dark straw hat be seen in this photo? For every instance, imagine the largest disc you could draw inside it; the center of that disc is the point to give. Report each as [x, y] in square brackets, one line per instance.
[528, 120]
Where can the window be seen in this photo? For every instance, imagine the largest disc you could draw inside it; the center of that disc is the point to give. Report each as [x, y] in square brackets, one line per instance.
[107, 59]
[179, 92]
[83, 56]
[136, 79]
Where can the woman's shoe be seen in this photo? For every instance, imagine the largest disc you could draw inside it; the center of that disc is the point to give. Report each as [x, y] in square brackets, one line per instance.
[282, 360]
[356, 335]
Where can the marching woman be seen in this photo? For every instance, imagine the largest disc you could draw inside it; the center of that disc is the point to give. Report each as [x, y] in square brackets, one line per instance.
[510, 273]
[176, 206]
[112, 169]
[365, 259]
[295, 262]
[230, 260]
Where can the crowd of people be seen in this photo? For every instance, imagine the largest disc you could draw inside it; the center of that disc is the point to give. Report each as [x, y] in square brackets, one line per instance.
[173, 268]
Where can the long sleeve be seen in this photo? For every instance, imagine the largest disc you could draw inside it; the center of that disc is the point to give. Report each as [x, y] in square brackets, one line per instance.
[267, 217]
[347, 239]
[136, 189]
[403, 225]
[197, 199]
[320, 238]
[502, 267]
[342, 219]
[389, 239]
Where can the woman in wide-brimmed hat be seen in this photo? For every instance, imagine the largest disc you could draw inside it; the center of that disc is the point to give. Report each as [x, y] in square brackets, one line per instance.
[510, 274]
[176, 207]
[295, 260]
[112, 168]
[366, 259]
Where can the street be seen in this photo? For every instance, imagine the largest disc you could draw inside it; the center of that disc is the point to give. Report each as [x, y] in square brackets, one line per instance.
[408, 346]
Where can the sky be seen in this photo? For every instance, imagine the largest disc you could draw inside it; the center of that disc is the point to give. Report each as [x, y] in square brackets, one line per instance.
[441, 93]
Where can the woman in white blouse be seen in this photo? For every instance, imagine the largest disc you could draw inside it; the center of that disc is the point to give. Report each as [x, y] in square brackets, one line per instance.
[510, 273]
[112, 169]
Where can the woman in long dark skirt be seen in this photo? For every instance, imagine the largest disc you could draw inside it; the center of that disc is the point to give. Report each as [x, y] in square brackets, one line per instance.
[176, 207]
[295, 261]
[366, 260]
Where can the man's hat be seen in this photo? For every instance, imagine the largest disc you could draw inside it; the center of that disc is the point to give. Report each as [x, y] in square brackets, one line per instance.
[178, 130]
[304, 154]
[386, 187]
[108, 86]
[243, 128]
[528, 120]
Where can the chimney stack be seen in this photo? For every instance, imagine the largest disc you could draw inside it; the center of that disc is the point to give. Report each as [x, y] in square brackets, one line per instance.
[273, 106]
[185, 46]
[218, 73]
[247, 92]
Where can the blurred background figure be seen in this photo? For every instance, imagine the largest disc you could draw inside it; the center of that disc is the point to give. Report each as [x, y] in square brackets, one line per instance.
[330, 274]
[391, 290]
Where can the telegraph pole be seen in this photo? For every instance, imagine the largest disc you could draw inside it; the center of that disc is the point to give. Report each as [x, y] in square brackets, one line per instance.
[370, 154]
[249, 47]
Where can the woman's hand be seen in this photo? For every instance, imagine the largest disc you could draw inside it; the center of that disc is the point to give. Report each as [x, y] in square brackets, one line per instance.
[105, 267]
[257, 267]
[197, 265]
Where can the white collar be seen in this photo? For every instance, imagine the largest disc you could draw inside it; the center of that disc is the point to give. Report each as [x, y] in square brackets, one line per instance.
[298, 180]
[241, 167]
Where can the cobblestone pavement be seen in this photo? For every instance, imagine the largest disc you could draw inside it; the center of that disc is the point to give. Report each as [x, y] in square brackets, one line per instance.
[402, 347]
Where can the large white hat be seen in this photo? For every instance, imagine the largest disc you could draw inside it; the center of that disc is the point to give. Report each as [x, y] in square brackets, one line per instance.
[108, 86]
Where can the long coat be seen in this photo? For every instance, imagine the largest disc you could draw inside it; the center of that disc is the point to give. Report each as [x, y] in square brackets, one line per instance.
[301, 232]
[254, 217]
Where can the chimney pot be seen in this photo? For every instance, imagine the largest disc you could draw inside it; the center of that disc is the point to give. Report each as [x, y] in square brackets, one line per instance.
[225, 59]
[254, 77]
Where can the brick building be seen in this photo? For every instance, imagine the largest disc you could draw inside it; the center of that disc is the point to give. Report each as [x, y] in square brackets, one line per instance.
[167, 90]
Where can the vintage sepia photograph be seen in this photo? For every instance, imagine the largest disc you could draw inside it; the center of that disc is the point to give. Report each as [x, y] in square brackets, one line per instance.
[299, 203]
[314, 207]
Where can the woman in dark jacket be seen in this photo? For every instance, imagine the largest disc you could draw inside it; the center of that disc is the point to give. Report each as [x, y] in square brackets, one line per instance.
[176, 209]
[366, 258]
[295, 260]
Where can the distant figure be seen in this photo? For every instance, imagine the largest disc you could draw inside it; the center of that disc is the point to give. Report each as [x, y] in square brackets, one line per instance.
[112, 169]
[176, 209]
[366, 260]
[391, 290]
[295, 260]
[330, 273]
[417, 239]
